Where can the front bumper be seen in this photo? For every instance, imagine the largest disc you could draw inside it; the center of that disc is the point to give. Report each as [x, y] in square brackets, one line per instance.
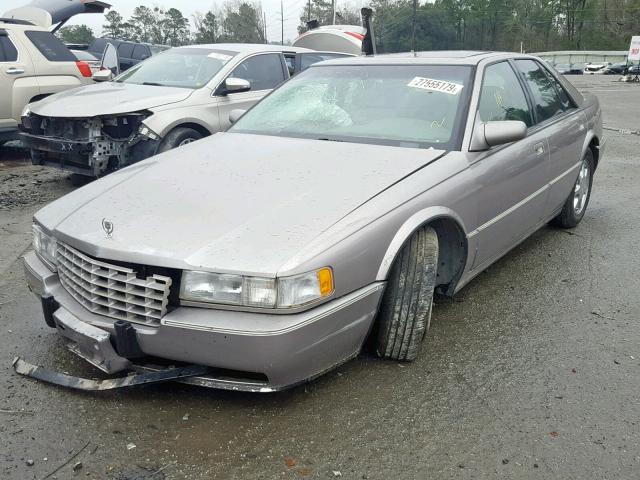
[246, 351]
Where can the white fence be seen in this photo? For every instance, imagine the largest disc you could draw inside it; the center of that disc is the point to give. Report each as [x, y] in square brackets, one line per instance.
[577, 56]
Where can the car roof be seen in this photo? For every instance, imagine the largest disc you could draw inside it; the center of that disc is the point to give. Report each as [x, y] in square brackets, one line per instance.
[449, 57]
[249, 47]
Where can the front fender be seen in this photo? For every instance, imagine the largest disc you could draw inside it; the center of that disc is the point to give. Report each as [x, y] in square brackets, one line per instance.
[163, 121]
[416, 220]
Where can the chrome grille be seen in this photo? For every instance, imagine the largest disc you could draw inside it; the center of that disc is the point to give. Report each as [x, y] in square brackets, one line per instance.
[112, 290]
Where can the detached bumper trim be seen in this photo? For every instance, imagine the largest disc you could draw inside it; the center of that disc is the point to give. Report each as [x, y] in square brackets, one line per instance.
[61, 379]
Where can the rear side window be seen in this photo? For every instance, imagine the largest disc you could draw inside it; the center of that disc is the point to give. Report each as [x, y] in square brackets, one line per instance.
[125, 50]
[264, 72]
[49, 46]
[8, 52]
[502, 97]
[141, 52]
[545, 96]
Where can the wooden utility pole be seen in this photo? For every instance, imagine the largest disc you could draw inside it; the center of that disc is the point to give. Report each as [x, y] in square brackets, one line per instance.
[309, 12]
[413, 26]
[333, 12]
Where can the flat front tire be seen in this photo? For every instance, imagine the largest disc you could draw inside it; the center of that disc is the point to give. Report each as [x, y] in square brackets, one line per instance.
[576, 205]
[405, 310]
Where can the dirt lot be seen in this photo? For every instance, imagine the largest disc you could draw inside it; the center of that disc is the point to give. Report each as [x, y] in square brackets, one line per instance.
[533, 371]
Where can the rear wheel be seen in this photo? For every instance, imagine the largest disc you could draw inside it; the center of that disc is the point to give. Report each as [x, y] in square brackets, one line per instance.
[178, 137]
[405, 311]
[576, 204]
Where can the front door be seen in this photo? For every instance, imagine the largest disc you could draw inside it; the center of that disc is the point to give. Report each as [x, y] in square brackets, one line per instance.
[13, 67]
[264, 72]
[511, 179]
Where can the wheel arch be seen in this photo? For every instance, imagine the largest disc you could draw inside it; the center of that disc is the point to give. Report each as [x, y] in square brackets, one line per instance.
[592, 142]
[202, 130]
[453, 245]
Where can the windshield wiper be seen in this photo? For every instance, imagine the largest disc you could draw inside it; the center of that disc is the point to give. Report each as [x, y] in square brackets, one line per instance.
[153, 84]
[330, 139]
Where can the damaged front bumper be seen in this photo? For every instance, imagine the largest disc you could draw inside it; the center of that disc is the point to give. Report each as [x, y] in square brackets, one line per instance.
[244, 351]
[91, 147]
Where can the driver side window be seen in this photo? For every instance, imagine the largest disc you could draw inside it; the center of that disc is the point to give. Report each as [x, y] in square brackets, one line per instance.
[502, 97]
[264, 72]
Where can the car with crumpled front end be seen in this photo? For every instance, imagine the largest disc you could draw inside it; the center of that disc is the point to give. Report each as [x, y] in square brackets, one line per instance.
[327, 215]
[173, 98]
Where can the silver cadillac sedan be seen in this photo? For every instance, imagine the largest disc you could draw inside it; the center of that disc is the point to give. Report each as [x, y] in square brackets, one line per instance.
[326, 216]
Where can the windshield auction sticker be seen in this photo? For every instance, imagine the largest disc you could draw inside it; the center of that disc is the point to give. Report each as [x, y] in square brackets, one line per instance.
[436, 85]
[220, 56]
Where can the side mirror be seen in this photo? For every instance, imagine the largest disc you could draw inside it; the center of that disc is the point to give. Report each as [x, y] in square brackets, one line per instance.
[492, 134]
[235, 115]
[236, 85]
[103, 76]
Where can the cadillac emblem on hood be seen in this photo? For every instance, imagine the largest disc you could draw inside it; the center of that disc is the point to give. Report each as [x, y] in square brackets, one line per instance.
[107, 226]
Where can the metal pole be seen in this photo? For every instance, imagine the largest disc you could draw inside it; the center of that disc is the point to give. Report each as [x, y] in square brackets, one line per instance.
[309, 12]
[264, 25]
[282, 22]
[333, 12]
[413, 26]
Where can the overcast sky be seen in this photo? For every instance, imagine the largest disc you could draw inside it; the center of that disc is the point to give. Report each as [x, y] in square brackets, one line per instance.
[292, 9]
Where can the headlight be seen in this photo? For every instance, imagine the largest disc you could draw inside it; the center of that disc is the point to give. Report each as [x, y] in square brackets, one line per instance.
[284, 292]
[147, 132]
[26, 111]
[45, 245]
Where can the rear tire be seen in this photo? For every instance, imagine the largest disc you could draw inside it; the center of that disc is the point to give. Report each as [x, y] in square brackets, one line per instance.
[405, 311]
[576, 205]
[178, 137]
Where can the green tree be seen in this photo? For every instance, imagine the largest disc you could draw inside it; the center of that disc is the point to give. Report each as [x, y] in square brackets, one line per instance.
[76, 34]
[143, 21]
[207, 27]
[114, 27]
[242, 22]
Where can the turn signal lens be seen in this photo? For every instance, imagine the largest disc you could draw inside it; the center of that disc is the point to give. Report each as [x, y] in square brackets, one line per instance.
[325, 278]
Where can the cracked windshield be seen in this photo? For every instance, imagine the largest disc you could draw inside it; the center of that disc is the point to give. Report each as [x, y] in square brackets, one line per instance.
[412, 106]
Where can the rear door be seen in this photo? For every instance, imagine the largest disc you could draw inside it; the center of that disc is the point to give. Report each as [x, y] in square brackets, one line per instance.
[512, 178]
[125, 53]
[141, 53]
[264, 71]
[15, 68]
[564, 126]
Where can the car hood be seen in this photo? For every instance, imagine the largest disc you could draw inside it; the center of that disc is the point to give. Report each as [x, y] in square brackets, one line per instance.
[109, 98]
[228, 203]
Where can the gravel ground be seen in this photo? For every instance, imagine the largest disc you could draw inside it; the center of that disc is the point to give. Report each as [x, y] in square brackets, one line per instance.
[532, 371]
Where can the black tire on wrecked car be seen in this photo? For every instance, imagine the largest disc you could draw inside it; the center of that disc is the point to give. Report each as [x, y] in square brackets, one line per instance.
[405, 310]
[178, 137]
[576, 205]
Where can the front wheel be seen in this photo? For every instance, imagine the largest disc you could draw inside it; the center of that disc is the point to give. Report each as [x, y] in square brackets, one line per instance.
[576, 204]
[179, 137]
[405, 311]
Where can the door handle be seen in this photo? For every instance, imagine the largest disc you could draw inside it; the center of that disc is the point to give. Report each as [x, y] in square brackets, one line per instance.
[539, 148]
[15, 71]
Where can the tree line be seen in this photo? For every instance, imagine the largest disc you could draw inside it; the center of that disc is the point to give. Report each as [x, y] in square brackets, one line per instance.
[530, 25]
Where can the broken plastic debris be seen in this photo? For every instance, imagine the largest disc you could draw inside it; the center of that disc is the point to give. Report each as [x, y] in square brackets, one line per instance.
[131, 446]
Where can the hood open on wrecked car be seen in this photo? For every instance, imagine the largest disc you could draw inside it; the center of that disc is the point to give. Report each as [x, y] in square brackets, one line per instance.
[46, 13]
